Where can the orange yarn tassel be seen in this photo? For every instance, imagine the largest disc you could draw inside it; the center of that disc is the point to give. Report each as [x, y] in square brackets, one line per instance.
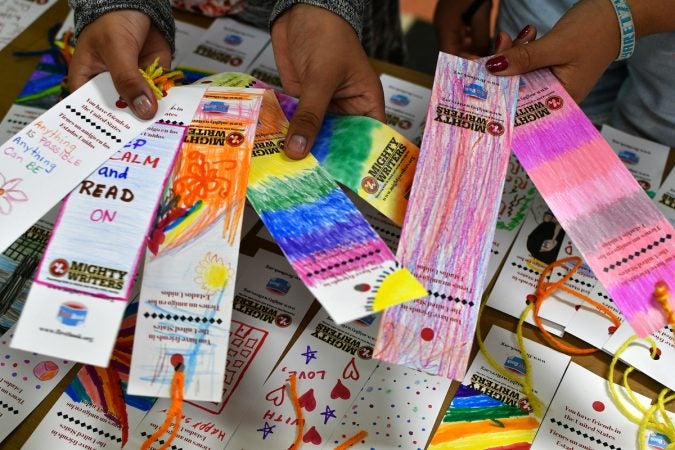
[175, 413]
[352, 440]
[662, 295]
[298, 412]
[545, 289]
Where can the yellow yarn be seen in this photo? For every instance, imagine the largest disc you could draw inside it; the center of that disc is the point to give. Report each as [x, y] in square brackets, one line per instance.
[650, 419]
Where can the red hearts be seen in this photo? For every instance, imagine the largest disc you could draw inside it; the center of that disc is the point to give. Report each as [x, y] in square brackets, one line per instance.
[307, 400]
[312, 437]
[276, 396]
[577, 307]
[351, 371]
[340, 391]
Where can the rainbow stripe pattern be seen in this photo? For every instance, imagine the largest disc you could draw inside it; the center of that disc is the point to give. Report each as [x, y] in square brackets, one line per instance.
[331, 246]
[621, 234]
[476, 421]
[451, 217]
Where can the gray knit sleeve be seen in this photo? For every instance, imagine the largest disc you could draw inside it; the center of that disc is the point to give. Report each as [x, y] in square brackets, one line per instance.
[159, 11]
[350, 10]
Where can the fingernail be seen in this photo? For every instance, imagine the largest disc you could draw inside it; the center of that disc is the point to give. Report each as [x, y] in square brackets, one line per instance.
[498, 41]
[297, 146]
[497, 64]
[142, 106]
[524, 32]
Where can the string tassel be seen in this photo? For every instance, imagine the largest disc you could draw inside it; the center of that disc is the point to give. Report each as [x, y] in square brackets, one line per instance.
[175, 413]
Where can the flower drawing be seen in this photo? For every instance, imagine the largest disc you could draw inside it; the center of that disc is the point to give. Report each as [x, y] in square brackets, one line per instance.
[212, 273]
[9, 194]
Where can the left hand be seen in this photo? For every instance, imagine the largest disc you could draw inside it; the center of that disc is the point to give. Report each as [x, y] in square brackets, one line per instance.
[322, 62]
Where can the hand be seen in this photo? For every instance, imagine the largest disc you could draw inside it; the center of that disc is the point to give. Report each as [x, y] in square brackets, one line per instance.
[578, 48]
[467, 40]
[121, 42]
[322, 62]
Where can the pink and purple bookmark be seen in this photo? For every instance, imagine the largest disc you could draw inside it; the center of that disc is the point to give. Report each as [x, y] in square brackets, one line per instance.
[622, 235]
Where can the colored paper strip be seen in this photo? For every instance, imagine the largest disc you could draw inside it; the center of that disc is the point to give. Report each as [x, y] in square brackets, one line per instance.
[621, 234]
[451, 217]
[191, 262]
[93, 253]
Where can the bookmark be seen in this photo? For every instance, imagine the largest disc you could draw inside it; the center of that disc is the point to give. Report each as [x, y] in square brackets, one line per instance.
[621, 234]
[47, 159]
[451, 218]
[191, 261]
[84, 280]
[370, 158]
[334, 250]
[268, 308]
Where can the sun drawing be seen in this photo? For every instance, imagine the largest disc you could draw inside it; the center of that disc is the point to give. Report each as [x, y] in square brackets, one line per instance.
[212, 273]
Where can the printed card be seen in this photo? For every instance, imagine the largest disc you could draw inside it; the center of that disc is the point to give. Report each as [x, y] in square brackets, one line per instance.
[491, 412]
[48, 158]
[187, 37]
[87, 414]
[638, 355]
[191, 260]
[405, 105]
[226, 46]
[264, 68]
[644, 159]
[582, 415]
[77, 299]
[665, 197]
[541, 241]
[467, 141]
[25, 380]
[331, 363]
[270, 303]
[17, 16]
[591, 325]
[16, 119]
[398, 407]
[624, 238]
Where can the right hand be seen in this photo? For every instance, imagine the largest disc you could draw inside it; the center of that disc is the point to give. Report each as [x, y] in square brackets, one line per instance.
[120, 42]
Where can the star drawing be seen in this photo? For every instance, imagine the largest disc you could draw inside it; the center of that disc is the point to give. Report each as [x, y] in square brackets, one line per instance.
[327, 414]
[266, 430]
[309, 354]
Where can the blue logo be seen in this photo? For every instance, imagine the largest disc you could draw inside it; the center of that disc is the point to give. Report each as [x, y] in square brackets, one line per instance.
[399, 100]
[658, 441]
[72, 314]
[215, 106]
[278, 286]
[233, 39]
[367, 321]
[475, 90]
[515, 364]
[628, 157]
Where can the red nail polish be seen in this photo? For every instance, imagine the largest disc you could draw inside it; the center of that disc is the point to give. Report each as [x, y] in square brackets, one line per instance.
[524, 32]
[498, 41]
[497, 64]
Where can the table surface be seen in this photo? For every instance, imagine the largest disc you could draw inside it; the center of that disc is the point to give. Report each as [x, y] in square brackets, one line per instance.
[35, 38]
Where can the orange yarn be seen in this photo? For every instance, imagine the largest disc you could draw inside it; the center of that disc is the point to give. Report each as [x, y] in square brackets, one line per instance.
[173, 415]
[545, 289]
[292, 380]
[352, 440]
[298, 412]
[662, 295]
